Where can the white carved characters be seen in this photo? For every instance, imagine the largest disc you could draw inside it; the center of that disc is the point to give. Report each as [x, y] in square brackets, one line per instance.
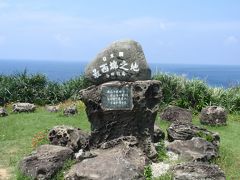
[112, 68]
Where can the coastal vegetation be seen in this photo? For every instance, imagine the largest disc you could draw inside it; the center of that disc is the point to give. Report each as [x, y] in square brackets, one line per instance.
[177, 90]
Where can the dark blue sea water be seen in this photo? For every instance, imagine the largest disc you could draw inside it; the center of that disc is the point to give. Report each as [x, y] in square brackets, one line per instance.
[214, 75]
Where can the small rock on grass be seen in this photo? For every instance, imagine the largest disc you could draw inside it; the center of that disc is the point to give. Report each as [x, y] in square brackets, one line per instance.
[71, 110]
[52, 108]
[23, 107]
[3, 112]
[213, 115]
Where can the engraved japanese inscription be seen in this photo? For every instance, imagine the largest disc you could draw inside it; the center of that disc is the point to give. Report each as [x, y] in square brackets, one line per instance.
[114, 68]
[116, 97]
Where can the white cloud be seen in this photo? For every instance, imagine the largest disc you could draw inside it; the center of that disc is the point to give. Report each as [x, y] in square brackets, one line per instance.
[231, 40]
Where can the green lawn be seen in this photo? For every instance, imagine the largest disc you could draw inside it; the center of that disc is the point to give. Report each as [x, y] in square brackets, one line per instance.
[17, 131]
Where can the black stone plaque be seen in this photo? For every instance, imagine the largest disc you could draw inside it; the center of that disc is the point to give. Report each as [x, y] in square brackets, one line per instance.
[116, 97]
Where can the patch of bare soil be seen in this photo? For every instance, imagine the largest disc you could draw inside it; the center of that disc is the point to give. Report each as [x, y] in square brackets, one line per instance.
[4, 174]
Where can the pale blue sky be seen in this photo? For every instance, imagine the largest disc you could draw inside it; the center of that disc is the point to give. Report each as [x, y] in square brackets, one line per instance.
[170, 31]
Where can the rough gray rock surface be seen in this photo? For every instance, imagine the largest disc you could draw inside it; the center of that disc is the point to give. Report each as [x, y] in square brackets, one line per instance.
[71, 110]
[120, 162]
[198, 171]
[45, 162]
[186, 131]
[174, 113]
[139, 121]
[122, 61]
[213, 115]
[68, 136]
[24, 107]
[3, 112]
[196, 149]
[126, 140]
[158, 134]
[52, 108]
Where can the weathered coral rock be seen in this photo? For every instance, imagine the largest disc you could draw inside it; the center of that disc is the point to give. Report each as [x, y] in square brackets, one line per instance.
[24, 107]
[196, 149]
[135, 120]
[73, 138]
[3, 112]
[120, 162]
[174, 113]
[213, 115]
[186, 131]
[52, 108]
[71, 110]
[45, 162]
[197, 171]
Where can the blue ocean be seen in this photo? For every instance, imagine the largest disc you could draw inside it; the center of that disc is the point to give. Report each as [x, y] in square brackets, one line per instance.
[214, 75]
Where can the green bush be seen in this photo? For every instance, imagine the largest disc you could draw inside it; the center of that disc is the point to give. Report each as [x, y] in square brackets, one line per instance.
[196, 94]
[23, 87]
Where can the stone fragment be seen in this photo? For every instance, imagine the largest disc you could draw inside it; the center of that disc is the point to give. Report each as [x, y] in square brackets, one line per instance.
[121, 61]
[213, 115]
[52, 108]
[186, 131]
[45, 162]
[3, 112]
[120, 162]
[24, 107]
[68, 136]
[197, 171]
[81, 155]
[196, 149]
[158, 134]
[71, 110]
[174, 113]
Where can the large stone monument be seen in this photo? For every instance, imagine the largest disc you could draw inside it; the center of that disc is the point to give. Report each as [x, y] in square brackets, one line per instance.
[121, 106]
[123, 101]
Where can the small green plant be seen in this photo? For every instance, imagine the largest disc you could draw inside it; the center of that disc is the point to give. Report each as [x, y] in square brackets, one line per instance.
[167, 176]
[148, 172]
[67, 165]
[40, 138]
[161, 150]
[207, 137]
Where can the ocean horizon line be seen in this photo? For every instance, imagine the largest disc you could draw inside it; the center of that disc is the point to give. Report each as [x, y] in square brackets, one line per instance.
[86, 62]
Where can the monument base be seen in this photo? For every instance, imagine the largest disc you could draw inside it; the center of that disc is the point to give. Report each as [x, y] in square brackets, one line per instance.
[116, 109]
